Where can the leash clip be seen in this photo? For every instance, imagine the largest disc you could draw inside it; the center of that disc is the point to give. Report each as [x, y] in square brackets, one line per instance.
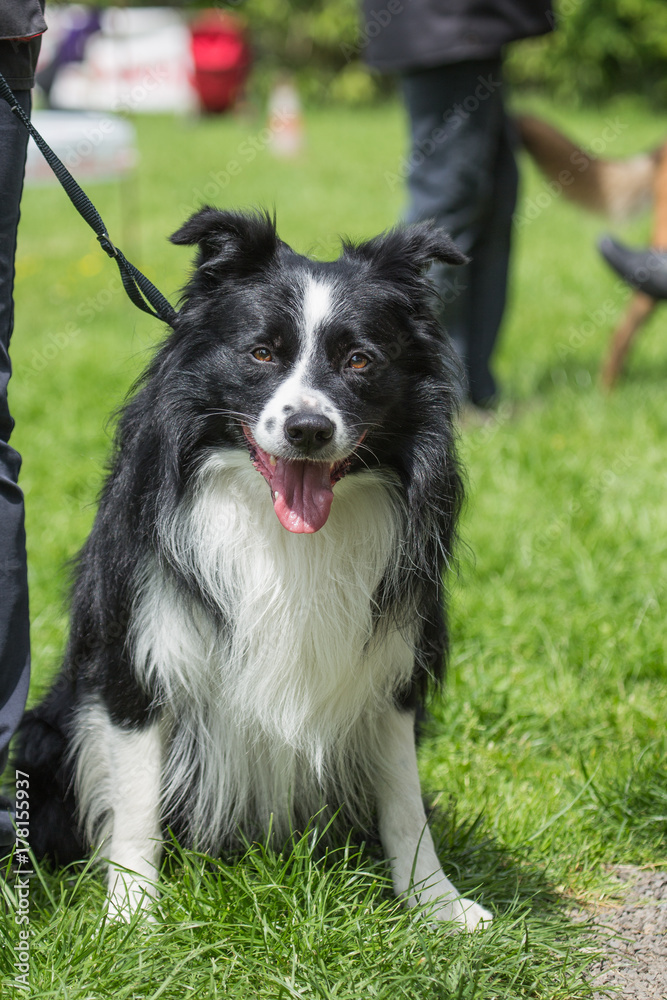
[140, 290]
[107, 245]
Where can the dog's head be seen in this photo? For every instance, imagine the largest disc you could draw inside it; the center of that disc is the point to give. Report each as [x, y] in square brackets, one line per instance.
[318, 369]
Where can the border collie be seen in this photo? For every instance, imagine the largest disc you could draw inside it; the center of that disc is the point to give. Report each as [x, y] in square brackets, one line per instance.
[258, 611]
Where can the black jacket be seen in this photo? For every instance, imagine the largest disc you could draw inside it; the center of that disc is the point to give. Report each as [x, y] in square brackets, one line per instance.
[403, 35]
[20, 19]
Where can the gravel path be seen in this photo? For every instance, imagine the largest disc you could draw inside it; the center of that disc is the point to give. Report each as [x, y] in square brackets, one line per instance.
[635, 964]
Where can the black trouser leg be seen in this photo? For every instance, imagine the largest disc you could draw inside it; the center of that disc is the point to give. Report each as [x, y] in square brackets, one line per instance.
[14, 622]
[490, 268]
[463, 176]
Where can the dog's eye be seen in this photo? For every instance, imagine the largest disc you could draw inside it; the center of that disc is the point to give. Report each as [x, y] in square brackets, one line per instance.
[262, 354]
[358, 361]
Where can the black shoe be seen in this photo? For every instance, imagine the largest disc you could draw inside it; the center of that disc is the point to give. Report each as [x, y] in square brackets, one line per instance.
[645, 270]
[7, 822]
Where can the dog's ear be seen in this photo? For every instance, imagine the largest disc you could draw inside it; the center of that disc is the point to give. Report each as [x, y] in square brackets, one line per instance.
[234, 242]
[407, 250]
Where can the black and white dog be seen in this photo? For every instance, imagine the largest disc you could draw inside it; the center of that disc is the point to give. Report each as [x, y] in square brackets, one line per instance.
[258, 610]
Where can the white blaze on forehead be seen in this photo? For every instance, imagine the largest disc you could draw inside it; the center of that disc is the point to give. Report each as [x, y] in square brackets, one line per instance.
[317, 307]
[297, 392]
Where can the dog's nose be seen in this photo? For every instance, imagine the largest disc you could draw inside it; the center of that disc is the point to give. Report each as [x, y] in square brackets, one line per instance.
[308, 431]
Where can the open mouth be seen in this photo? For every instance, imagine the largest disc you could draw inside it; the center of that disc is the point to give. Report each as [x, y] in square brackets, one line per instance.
[301, 490]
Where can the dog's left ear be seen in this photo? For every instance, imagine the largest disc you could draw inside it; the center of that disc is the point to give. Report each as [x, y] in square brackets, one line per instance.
[407, 248]
[232, 242]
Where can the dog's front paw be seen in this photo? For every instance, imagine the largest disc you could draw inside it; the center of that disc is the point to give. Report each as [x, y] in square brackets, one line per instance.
[474, 917]
[129, 895]
[464, 913]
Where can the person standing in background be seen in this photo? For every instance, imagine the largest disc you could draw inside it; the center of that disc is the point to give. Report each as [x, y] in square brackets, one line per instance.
[462, 173]
[21, 26]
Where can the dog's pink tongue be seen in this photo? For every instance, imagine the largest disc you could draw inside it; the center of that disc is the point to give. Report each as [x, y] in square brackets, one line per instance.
[302, 495]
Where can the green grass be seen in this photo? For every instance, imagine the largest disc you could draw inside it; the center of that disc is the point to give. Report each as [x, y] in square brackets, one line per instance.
[546, 756]
[294, 925]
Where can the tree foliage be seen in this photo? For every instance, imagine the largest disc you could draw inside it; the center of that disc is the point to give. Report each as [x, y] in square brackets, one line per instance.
[598, 48]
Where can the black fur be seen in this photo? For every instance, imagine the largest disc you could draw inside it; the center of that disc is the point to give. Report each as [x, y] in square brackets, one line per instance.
[243, 287]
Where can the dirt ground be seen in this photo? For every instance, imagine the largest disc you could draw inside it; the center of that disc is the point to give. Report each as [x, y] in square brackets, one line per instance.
[634, 932]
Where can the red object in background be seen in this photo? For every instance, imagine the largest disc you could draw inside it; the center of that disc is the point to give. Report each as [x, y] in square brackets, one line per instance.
[221, 58]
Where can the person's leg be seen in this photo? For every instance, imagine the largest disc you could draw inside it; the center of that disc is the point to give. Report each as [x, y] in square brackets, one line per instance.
[14, 623]
[458, 135]
[489, 267]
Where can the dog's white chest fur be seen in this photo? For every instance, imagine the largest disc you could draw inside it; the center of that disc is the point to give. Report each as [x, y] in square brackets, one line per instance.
[272, 698]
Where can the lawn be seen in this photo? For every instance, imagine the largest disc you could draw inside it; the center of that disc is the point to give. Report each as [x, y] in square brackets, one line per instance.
[545, 757]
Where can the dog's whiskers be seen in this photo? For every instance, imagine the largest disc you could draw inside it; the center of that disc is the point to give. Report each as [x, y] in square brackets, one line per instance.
[220, 412]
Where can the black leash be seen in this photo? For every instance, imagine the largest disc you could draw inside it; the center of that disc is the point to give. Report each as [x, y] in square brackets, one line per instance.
[143, 293]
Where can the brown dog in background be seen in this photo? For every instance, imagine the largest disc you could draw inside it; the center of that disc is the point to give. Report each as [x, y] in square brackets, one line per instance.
[617, 188]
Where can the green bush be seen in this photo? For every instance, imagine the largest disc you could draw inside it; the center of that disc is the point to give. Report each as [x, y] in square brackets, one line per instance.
[316, 41]
[319, 42]
[599, 48]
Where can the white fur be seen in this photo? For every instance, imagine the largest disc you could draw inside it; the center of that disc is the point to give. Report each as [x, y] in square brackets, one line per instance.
[406, 838]
[296, 394]
[118, 789]
[90, 749]
[265, 712]
[317, 308]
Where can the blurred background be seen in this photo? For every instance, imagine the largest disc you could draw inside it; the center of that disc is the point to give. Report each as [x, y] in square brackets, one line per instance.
[602, 48]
